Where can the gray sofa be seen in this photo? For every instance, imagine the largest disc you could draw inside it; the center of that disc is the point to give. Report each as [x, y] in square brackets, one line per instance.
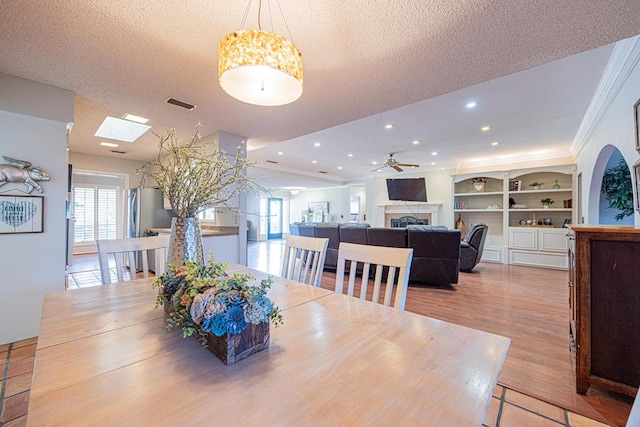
[436, 249]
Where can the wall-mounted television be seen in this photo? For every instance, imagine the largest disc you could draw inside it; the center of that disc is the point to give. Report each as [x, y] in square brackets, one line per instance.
[407, 189]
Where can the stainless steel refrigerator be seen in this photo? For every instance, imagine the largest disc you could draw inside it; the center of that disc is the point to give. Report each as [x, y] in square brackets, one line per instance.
[145, 210]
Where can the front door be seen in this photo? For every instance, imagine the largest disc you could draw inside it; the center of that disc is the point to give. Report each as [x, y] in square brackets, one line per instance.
[274, 218]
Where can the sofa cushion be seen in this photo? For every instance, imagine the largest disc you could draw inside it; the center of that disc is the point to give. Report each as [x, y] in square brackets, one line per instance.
[426, 227]
[354, 233]
[390, 237]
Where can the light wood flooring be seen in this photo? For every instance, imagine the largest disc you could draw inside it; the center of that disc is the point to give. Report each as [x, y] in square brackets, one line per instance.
[528, 305]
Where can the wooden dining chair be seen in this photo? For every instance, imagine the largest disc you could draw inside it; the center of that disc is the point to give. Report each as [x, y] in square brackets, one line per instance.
[303, 259]
[121, 249]
[397, 261]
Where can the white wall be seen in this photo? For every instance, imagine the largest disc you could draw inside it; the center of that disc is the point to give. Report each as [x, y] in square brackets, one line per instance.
[338, 198]
[615, 129]
[33, 119]
[88, 162]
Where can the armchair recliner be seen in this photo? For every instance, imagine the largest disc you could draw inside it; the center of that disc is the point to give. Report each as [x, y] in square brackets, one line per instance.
[472, 246]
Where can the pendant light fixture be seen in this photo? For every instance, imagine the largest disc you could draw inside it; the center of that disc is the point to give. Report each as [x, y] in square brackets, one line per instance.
[260, 67]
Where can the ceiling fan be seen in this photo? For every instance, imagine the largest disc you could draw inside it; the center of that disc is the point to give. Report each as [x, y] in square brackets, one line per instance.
[393, 163]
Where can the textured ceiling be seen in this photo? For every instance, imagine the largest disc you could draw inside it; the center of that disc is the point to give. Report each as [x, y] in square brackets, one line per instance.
[361, 59]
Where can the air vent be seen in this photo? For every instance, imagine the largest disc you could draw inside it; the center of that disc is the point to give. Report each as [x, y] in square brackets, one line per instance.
[271, 161]
[181, 104]
[323, 172]
[118, 152]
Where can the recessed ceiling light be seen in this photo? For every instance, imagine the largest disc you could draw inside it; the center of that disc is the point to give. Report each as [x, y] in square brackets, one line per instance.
[317, 144]
[280, 153]
[495, 143]
[485, 128]
[374, 163]
[135, 118]
[416, 142]
[389, 126]
[433, 163]
[340, 167]
[435, 153]
[314, 161]
[109, 144]
[350, 154]
[471, 104]
[121, 130]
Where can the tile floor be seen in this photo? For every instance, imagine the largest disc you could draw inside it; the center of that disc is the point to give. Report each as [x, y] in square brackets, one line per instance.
[508, 408]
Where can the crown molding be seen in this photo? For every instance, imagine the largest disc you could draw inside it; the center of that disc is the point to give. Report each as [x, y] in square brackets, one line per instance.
[624, 58]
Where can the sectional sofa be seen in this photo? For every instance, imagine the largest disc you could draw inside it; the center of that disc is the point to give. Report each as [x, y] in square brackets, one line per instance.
[436, 249]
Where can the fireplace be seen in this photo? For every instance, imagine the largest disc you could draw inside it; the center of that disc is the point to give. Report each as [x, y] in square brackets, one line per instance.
[403, 221]
[425, 213]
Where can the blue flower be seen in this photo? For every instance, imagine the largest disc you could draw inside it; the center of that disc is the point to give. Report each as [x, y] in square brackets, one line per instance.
[217, 325]
[265, 303]
[234, 317]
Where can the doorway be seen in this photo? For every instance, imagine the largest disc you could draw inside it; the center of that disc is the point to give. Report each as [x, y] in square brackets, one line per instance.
[274, 218]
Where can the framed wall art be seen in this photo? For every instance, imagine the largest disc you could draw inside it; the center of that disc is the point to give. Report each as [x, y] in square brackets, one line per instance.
[21, 214]
[636, 124]
[636, 182]
[318, 211]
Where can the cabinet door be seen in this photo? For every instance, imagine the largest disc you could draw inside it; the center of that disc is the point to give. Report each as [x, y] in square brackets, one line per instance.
[523, 238]
[553, 240]
[571, 252]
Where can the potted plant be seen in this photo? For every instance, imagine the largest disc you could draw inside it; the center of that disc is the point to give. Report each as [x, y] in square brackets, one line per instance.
[546, 202]
[226, 312]
[536, 185]
[194, 179]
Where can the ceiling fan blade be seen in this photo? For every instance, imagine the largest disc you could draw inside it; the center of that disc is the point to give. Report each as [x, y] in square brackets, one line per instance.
[378, 168]
[409, 165]
[396, 167]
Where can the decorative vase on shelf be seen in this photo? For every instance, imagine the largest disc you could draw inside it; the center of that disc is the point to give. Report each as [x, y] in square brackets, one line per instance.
[556, 186]
[185, 241]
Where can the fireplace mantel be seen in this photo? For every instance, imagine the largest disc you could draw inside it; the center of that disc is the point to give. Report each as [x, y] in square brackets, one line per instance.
[427, 210]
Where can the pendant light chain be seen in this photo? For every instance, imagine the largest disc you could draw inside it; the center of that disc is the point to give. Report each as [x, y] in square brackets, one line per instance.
[246, 13]
[285, 21]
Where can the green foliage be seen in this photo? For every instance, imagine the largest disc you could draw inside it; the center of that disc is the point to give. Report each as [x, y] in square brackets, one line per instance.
[536, 184]
[547, 201]
[618, 189]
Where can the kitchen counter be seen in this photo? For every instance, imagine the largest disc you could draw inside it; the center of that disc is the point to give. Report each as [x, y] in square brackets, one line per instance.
[207, 230]
[218, 241]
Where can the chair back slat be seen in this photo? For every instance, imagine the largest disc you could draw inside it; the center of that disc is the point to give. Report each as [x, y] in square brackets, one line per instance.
[122, 250]
[304, 258]
[397, 260]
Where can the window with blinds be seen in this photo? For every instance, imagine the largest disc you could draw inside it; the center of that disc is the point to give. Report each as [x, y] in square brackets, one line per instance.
[96, 211]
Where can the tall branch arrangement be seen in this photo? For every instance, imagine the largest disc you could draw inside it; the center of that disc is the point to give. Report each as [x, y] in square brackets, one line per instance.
[193, 180]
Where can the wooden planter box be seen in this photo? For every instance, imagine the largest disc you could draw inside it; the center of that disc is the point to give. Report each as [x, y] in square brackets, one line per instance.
[232, 348]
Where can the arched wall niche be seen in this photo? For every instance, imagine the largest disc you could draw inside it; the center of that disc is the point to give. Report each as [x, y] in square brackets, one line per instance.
[598, 213]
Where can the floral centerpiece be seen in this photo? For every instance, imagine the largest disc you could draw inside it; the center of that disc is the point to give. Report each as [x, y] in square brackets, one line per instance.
[194, 178]
[204, 300]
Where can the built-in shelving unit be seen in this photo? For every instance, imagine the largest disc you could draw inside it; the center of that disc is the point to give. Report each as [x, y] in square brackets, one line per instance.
[486, 206]
[521, 230]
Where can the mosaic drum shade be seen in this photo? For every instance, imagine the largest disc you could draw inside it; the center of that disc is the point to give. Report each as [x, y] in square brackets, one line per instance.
[260, 67]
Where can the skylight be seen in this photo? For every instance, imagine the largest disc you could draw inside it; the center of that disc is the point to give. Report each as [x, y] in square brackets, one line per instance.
[121, 130]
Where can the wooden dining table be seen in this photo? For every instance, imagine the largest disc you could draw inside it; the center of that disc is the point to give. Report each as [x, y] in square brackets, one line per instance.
[104, 358]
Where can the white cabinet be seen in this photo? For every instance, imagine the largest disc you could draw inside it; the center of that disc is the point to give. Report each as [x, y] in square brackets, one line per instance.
[538, 247]
[512, 207]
